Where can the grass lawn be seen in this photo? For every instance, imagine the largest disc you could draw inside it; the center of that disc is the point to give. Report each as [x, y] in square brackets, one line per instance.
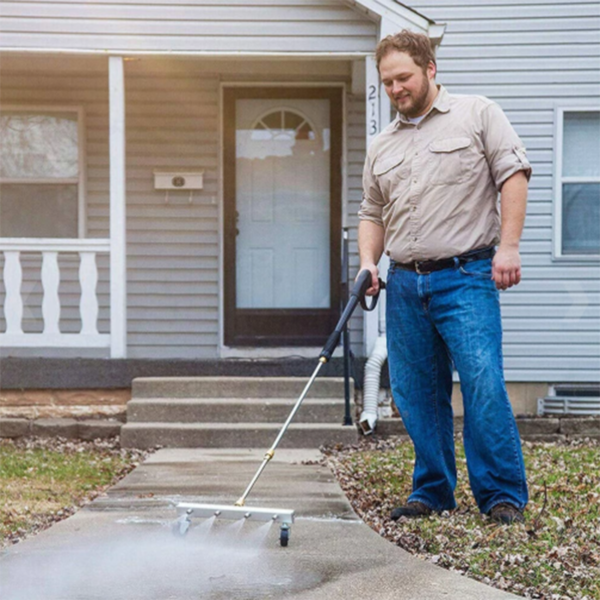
[45, 480]
[555, 555]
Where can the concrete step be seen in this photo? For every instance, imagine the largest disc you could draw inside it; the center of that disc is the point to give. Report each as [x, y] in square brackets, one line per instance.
[233, 435]
[233, 410]
[235, 387]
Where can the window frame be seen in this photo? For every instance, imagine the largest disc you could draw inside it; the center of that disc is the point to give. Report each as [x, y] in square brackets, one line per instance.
[559, 179]
[81, 152]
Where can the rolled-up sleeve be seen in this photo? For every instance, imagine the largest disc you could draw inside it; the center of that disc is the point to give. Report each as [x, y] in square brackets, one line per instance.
[372, 199]
[504, 150]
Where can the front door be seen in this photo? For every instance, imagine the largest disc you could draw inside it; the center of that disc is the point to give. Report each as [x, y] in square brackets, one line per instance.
[282, 215]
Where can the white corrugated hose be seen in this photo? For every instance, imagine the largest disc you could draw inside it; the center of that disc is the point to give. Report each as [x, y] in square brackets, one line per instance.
[368, 417]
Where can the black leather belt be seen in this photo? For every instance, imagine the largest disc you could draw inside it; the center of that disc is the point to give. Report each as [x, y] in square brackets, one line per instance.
[424, 267]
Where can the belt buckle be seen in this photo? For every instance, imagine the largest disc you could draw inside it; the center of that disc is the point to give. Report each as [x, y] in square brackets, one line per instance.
[418, 267]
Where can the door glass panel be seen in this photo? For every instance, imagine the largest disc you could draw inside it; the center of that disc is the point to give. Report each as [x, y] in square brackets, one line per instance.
[282, 199]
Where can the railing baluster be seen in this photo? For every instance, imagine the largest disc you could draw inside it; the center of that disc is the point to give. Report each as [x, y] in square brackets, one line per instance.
[13, 303]
[88, 304]
[51, 301]
[49, 274]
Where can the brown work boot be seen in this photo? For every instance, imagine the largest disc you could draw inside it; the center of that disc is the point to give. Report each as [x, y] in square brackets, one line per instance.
[412, 510]
[506, 513]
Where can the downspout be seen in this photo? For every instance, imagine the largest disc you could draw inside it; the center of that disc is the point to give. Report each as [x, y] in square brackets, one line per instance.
[372, 379]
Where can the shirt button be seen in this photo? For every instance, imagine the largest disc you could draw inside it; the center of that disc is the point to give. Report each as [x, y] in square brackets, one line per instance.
[414, 208]
[414, 239]
[416, 154]
[414, 181]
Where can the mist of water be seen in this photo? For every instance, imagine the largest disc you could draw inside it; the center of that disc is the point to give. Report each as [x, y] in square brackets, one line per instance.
[214, 560]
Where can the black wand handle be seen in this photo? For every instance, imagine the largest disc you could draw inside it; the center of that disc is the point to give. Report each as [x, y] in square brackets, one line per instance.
[357, 296]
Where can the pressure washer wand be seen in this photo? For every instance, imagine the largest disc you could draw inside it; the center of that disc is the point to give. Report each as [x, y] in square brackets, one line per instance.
[357, 295]
[271, 452]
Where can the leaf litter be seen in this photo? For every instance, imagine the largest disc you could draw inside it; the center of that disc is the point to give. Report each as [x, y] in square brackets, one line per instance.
[554, 555]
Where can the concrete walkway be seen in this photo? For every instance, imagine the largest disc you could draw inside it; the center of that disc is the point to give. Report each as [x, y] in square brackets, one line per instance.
[121, 546]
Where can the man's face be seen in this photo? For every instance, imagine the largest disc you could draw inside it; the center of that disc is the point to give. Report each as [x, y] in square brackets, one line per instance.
[410, 90]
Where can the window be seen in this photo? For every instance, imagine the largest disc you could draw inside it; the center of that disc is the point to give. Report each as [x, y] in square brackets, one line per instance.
[282, 124]
[577, 183]
[41, 173]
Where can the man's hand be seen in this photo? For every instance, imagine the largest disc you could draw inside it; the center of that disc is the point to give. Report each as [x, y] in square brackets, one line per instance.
[374, 278]
[506, 267]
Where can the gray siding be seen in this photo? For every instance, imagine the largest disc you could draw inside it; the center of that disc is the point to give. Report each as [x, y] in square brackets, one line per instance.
[531, 56]
[356, 147]
[38, 81]
[190, 26]
[172, 122]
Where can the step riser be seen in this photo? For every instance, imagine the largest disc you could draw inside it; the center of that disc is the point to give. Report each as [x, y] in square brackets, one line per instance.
[232, 387]
[248, 438]
[148, 412]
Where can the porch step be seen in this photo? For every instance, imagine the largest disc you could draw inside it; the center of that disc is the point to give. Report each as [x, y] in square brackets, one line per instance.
[233, 435]
[235, 387]
[233, 410]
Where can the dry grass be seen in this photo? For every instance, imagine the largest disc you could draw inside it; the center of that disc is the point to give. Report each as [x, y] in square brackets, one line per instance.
[555, 555]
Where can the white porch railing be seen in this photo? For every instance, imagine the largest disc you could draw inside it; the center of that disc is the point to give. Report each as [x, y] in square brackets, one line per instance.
[88, 337]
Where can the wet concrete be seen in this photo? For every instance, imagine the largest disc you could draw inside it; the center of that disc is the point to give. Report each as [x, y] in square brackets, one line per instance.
[121, 545]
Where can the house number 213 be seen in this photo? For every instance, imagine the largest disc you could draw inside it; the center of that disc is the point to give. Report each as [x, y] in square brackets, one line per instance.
[372, 110]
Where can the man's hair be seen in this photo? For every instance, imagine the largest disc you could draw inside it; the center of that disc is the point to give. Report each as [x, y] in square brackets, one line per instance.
[416, 45]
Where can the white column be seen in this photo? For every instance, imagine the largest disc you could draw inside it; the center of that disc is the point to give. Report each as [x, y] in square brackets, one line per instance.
[385, 116]
[118, 247]
[374, 125]
[372, 98]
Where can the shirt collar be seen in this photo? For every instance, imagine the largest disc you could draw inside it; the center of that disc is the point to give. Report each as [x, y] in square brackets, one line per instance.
[441, 104]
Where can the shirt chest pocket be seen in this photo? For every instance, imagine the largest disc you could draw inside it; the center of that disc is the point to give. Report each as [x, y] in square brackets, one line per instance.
[449, 161]
[390, 172]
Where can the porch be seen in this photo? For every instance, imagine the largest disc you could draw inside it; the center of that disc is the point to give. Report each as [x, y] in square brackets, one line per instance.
[141, 274]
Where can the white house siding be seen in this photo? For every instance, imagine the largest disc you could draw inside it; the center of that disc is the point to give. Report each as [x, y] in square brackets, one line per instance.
[530, 56]
[193, 25]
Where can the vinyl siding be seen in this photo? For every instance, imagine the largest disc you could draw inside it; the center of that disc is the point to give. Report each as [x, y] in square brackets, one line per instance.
[172, 122]
[41, 82]
[356, 144]
[186, 26]
[531, 56]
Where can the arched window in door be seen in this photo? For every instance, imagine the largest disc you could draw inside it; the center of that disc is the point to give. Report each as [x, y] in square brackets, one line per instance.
[283, 124]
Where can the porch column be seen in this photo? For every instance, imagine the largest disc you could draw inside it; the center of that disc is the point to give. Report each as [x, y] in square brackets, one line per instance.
[373, 107]
[378, 118]
[118, 247]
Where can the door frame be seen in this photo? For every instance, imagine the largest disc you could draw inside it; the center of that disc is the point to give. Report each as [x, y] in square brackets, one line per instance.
[230, 338]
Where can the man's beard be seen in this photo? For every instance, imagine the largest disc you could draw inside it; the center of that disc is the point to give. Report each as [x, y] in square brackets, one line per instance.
[419, 102]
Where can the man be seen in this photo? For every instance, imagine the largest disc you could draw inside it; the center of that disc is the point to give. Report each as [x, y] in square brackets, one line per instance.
[431, 182]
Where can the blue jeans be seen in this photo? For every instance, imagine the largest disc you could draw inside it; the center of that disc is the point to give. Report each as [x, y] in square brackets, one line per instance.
[435, 320]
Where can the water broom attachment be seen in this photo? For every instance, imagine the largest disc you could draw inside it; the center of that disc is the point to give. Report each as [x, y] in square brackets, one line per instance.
[279, 515]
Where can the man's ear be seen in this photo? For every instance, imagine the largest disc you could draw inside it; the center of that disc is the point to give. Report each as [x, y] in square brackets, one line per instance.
[431, 70]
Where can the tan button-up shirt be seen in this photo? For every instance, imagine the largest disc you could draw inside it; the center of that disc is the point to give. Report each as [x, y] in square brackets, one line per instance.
[434, 186]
